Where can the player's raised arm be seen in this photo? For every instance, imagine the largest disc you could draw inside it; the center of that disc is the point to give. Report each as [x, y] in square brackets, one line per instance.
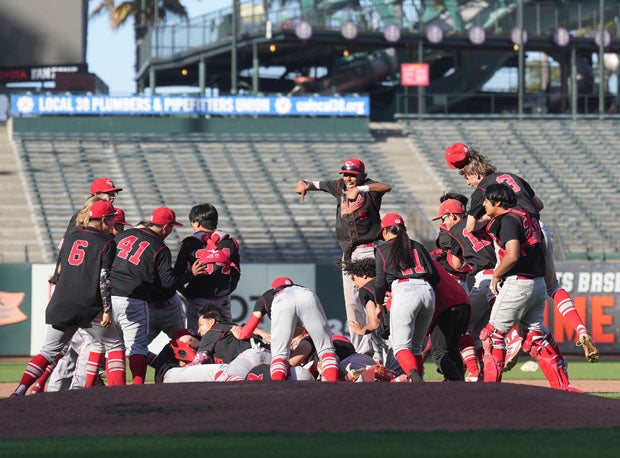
[303, 186]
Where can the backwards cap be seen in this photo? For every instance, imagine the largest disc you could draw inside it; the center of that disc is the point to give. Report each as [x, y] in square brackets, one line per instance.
[392, 219]
[457, 155]
[281, 281]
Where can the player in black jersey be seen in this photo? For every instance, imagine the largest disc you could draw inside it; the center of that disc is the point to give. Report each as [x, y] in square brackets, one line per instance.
[480, 173]
[81, 299]
[142, 259]
[406, 268]
[357, 225]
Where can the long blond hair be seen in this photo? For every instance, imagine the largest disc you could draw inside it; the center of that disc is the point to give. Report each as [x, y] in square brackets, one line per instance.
[83, 215]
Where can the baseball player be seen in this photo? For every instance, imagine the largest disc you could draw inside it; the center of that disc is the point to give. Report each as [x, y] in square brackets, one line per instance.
[220, 254]
[450, 202]
[357, 225]
[288, 304]
[81, 299]
[143, 259]
[479, 173]
[519, 283]
[405, 268]
[449, 324]
[220, 345]
[462, 247]
[174, 362]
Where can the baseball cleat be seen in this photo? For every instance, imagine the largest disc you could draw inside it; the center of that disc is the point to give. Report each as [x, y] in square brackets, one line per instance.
[15, 394]
[472, 378]
[572, 389]
[591, 352]
[514, 344]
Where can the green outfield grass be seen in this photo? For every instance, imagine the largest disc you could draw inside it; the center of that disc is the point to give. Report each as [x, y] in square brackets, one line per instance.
[601, 443]
[579, 369]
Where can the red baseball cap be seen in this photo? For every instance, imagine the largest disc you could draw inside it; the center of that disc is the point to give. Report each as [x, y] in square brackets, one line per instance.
[457, 155]
[392, 219]
[164, 215]
[119, 217]
[281, 281]
[101, 209]
[450, 206]
[103, 185]
[354, 166]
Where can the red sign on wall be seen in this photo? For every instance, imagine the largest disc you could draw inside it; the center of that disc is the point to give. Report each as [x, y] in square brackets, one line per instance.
[414, 74]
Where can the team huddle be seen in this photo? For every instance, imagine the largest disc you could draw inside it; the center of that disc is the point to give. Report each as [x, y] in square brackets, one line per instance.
[472, 305]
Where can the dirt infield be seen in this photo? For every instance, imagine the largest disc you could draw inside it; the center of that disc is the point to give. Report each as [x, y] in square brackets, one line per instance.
[301, 407]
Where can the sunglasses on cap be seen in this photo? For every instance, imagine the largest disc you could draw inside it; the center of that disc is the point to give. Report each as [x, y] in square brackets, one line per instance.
[350, 167]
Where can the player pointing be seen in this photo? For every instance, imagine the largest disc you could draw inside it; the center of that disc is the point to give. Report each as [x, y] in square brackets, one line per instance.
[358, 223]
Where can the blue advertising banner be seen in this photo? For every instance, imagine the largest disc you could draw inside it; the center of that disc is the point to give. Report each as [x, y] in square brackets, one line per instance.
[28, 105]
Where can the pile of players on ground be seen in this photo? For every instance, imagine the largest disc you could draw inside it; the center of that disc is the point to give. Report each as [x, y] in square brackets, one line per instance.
[472, 305]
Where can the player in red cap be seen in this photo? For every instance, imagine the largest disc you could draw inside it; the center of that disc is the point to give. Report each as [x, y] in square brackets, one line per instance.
[405, 267]
[480, 174]
[81, 299]
[358, 222]
[288, 304]
[518, 281]
[142, 260]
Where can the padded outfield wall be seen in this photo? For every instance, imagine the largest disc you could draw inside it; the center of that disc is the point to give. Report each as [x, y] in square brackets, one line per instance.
[24, 293]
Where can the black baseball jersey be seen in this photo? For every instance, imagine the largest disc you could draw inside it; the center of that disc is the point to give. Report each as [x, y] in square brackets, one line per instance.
[367, 293]
[521, 188]
[142, 258]
[475, 247]
[519, 225]
[70, 226]
[220, 280]
[166, 360]
[423, 267]
[221, 344]
[358, 222]
[77, 297]
[444, 245]
[263, 303]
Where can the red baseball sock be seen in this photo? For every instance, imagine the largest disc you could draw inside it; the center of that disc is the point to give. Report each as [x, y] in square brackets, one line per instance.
[137, 366]
[566, 307]
[115, 368]
[279, 369]
[39, 386]
[92, 368]
[329, 367]
[35, 369]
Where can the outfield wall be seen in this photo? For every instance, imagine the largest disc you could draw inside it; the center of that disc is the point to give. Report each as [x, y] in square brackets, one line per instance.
[595, 287]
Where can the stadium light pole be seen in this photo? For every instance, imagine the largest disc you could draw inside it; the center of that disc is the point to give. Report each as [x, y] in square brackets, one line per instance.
[233, 50]
[521, 78]
[601, 68]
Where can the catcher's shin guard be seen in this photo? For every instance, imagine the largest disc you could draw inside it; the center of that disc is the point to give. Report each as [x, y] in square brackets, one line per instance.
[494, 352]
[550, 360]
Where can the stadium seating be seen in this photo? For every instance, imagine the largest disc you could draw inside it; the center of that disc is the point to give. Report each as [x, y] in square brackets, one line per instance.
[250, 178]
[566, 161]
